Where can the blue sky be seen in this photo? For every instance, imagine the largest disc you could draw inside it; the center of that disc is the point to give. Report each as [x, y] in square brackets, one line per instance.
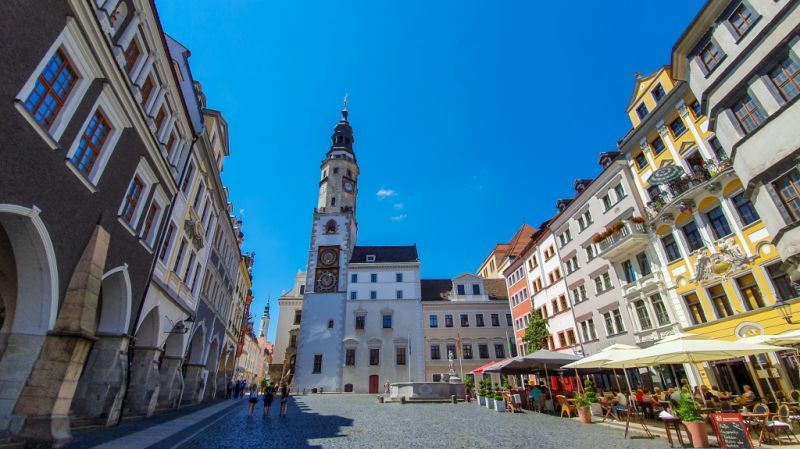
[470, 116]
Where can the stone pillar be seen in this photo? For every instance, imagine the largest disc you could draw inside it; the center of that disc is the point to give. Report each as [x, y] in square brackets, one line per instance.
[102, 385]
[194, 383]
[223, 377]
[211, 386]
[42, 411]
[170, 382]
[144, 385]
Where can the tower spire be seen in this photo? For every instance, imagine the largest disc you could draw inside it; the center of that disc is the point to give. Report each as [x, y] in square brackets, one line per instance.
[342, 138]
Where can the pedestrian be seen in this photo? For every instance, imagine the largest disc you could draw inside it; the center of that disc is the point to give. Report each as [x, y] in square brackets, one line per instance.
[269, 395]
[236, 390]
[284, 399]
[252, 401]
[229, 389]
[386, 387]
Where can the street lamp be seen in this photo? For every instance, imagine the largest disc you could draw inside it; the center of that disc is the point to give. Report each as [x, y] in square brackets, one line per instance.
[786, 312]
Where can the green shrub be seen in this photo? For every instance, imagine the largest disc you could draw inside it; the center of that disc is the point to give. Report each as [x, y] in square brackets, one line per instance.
[687, 408]
[588, 391]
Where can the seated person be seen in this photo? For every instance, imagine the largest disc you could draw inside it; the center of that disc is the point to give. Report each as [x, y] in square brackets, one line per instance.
[535, 393]
[620, 405]
[675, 395]
[658, 395]
[748, 397]
[639, 396]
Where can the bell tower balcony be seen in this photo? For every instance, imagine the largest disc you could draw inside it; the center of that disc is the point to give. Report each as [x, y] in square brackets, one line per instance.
[622, 240]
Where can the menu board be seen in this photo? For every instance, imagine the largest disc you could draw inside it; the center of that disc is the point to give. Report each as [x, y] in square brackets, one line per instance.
[731, 431]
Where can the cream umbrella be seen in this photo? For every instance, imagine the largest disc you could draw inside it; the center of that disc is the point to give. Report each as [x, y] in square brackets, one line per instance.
[689, 348]
[605, 355]
[787, 338]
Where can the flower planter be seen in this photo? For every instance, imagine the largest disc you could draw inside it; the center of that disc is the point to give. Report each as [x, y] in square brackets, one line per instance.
[481, 400]
[698, 433]
[499, 406]
[585, 415]
[489, 402]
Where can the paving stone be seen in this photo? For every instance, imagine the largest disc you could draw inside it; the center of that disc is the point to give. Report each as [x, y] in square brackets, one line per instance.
[357, 421]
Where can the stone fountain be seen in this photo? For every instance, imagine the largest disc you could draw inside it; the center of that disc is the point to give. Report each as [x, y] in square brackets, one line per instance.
[443, 391]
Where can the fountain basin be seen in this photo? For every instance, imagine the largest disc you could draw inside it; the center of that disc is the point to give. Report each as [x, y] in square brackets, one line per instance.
[425, 391]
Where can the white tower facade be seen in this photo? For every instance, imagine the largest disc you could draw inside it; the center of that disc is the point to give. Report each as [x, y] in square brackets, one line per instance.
[333, 236]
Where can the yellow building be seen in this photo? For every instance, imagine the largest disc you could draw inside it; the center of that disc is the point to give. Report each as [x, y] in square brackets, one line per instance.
[723, 273]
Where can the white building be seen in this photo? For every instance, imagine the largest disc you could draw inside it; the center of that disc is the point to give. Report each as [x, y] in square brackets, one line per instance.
[383, 319]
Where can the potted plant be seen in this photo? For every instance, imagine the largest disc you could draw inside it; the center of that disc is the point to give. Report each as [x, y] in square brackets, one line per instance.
[689, 413]
[499, 403]
[591, 397]
[489, 394]
[468, 385]
[584, 401]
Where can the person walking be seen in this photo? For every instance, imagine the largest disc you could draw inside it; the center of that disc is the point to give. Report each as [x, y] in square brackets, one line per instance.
[269, 395]
[229, 389]
[252, 401]
[284, 400]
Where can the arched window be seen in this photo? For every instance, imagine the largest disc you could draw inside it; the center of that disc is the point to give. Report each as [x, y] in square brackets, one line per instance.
[330, 227]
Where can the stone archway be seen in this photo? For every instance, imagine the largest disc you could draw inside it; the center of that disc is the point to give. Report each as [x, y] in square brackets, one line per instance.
[144, 383]
[101, 387]
[195, 372]
[170, 376]
[27, 270]
[212, 363]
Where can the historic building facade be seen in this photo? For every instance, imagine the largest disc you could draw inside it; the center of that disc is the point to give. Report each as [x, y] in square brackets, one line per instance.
[469, 310]
[290, 310]
[719, 262]
[742, 61]
[383, 318]
[78, 244]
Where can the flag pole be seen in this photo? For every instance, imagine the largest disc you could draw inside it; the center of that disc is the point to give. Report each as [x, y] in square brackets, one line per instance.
[408, 362]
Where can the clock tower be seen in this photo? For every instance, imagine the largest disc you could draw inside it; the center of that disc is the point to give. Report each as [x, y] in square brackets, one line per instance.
[320, 355]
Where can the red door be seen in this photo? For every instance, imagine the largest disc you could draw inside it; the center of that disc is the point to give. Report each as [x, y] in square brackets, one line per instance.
[373, 383]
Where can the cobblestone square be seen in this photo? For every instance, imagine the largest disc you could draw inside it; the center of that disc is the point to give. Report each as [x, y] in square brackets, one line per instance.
[358, 421]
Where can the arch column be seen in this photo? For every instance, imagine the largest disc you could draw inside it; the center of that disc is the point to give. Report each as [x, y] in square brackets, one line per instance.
[42, 412]
[102, 385]
[194, 383]
[170, 382]
[145, 381]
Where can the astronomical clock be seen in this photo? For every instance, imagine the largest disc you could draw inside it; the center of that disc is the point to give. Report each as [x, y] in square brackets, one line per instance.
[327, 278]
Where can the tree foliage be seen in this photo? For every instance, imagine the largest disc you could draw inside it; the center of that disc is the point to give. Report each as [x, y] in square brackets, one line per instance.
[536, 334]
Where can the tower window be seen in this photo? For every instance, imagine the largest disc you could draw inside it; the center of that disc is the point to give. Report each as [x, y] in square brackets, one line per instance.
[333, 201]
[330, 324]
[335, 170]
[349, 173]
[330, 227]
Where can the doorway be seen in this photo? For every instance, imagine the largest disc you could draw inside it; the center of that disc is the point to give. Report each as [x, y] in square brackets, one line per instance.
[373, 383]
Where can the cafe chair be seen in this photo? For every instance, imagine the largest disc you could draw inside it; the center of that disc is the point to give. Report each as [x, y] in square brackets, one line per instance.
[566, 407]
[784, 419]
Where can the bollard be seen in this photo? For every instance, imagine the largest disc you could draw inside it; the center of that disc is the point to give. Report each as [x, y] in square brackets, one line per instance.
[402, 399]
[453, 399]
[380, 399]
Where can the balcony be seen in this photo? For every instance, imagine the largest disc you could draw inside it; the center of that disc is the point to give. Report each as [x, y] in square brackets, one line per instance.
[678, 196]
[629, 238]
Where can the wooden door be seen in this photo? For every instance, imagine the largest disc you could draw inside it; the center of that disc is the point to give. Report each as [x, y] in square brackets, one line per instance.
[373, 383]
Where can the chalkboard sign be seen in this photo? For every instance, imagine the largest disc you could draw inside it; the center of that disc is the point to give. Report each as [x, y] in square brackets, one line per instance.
[731, 431]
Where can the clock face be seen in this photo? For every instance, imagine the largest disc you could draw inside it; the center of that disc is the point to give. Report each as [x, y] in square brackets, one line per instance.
[326, 281]
[349, 187]
[327, 257]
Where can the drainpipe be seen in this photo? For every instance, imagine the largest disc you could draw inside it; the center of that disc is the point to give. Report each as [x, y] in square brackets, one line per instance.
[164, 226]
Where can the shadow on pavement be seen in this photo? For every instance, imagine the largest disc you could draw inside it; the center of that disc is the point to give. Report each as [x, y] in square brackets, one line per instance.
[296, 430]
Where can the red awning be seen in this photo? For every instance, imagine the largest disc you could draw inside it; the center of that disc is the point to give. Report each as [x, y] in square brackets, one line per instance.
[480, 370]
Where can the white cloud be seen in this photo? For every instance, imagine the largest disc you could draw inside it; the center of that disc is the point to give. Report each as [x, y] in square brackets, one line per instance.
[399, 206]
[400, 217]
[385, 193]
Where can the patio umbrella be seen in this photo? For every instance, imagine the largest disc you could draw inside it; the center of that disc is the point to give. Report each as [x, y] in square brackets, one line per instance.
[480, 370]
[787, 338]
[689, 348]
[601, 358]
[666, 175]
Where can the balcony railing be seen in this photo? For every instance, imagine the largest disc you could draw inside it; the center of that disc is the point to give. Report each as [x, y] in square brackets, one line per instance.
[628, 228]
[677, 189]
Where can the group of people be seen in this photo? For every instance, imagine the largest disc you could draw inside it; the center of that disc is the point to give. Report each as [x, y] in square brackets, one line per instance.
[236, 389]
[268, 395]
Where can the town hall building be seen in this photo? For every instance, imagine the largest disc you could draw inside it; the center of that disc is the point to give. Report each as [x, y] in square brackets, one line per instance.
[361, 322]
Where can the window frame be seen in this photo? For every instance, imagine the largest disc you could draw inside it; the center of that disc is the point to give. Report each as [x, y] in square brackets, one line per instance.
[114, 115]
[81, 58]
[790, 80]
[145, 173]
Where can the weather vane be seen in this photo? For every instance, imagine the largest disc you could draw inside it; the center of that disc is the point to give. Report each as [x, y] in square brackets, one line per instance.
[345, 101]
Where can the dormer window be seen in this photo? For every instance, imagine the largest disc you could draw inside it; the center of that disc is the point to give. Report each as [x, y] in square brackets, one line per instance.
[658, 93]
[641, 111]
[370, 257]
[460, 289]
